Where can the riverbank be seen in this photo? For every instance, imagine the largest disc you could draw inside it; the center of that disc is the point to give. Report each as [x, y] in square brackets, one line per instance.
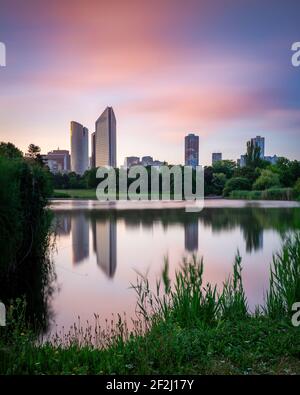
[185, 328]
[283, 194]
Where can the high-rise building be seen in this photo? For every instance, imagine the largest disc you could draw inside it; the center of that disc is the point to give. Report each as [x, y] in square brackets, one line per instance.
[105, 141]
[191, 150]
[259, 141]
[216, 157]
[79, 148]
[93, 148]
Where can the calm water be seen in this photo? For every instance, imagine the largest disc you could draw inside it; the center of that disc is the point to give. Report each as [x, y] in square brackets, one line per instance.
[100, 248]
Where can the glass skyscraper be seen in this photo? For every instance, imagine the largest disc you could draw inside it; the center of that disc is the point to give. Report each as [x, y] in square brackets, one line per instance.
[105, 140]
[192, 150]
[79, 148]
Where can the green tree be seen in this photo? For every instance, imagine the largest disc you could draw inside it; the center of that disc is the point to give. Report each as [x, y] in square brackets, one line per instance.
[226, 167]
[218, 182]
[237, 184]
[10, 151]
[288, 171]
[266, 180]
[34, 154]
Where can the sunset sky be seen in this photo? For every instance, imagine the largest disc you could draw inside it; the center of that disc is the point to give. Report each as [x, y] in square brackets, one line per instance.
[220, 69]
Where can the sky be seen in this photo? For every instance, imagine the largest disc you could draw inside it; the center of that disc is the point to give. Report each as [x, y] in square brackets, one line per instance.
[219, 68]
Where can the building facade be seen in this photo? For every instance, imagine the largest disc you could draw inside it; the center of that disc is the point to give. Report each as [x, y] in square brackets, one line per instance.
[58, 161]
[259, 141]
[93, 149]
[191, 150]
[105, 139]
[79, 148]
[216, 157]
[131, 161]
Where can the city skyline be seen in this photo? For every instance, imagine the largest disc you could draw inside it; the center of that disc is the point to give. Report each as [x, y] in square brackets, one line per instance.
[166, 69]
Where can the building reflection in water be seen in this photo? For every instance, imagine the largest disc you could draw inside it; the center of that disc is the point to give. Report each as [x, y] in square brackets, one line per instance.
[191, 236]
[62, 225]
[80, 238]
[105, 245]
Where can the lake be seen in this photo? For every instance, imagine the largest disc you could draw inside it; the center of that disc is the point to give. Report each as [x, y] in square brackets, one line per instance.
[101, 247]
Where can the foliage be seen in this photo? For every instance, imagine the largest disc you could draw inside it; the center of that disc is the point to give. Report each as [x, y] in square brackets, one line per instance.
[285, 279]
[34, 154]
[266, 180]
[268, 194]
[226, 167]
[200, 330]
[237, 183]
[10, 151]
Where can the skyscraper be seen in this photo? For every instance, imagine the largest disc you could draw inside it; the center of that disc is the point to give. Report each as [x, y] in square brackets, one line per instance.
[105, 142]
[259, 141]
[79, 148]
[191, 150]
[216, 157]
[93, 148]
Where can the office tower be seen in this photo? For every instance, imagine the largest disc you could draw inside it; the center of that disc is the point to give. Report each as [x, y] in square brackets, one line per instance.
[216, 157]
[105, 244]
[191, 236]
[80, 237]
[79, 148]
[259, 141]
[105, 142]
[58, 161]
[131, 161]
[192, 150]
[93, 148]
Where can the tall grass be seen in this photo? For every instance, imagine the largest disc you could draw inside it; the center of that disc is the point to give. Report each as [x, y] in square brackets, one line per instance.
[284, 288]
[182, 327]
[188, 302]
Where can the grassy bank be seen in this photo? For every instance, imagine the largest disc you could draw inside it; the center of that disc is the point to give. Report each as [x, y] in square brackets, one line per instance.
[268, 194]
[182, 327]
[74, 194]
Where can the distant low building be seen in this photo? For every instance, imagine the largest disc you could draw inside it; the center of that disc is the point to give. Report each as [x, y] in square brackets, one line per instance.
[216, 157]
[147, 161]
[271, 159]
[131, 161]
[58, 161]
[242, 161]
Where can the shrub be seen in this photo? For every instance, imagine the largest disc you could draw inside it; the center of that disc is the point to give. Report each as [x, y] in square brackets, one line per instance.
[266, 180]
[237, 183]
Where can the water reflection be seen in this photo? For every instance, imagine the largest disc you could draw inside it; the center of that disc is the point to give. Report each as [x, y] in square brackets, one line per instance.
[191, 236]
[252, 222]
[80, 237]
[113, 245]
[105, 245]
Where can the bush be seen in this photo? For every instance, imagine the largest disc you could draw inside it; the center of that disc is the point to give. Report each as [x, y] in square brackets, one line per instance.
[269, 194]
[236, 183]
[266, 180]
